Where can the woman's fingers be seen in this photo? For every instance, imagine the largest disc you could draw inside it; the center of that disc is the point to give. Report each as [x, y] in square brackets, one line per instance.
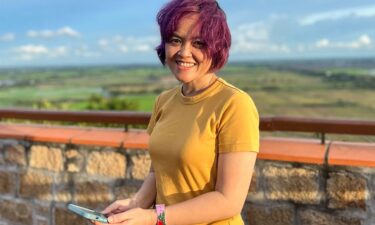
[135, 216]
[111, 208]
[117, 207]
[124, 216]
[118, 218]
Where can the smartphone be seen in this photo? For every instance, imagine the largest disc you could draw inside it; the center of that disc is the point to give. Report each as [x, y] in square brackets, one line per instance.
[88, 213]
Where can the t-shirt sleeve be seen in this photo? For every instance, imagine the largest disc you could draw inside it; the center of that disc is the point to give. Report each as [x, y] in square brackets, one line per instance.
[238, 128]
[152, 121]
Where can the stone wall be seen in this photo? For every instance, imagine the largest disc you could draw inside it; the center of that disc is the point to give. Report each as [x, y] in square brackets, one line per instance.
[37, 180]
[291, 194]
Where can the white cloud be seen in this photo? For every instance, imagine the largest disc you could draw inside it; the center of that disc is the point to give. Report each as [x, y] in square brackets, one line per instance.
[124, 48]
[103, 43]
[128, 44]
[42, 34]
[364, 41]
[58, 51]
[322, 43]
[254, 31]
[7, 37]
[84, 51]
[32, 49]
[67, 31]
[47, 34]
[118, 38]
[301, 47]
[30, 52]
[143, 48]
[257, 47]
[365, 11]
[255, 38]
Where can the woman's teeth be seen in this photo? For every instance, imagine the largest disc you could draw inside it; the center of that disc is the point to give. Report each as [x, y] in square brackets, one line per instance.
[184, 64]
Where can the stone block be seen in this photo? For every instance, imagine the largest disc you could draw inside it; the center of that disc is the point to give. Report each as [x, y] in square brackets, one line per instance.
[6, 184]
[42, 210]
[15, 155]
[93, 194]
[14, 212]
[36, 185]
[300, 185]
[253, 184]
[46, 158]
[41, 221]
[64, 217]
[2, 160]
[141, 166]
[253, 194]
[346, 190]
[63, 196]
[74, 161]
[313, 217]
[62, 192]
[2, 147]
[108, 164]
[270, 215]
[123, 192]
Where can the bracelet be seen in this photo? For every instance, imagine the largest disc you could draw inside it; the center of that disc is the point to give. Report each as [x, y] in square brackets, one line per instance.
[160, 212]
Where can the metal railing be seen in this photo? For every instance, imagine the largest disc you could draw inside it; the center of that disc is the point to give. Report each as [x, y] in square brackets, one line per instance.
[293, 124]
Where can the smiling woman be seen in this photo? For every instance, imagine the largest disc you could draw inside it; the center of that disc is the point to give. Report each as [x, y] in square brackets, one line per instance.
[186, 59]
[204, 134]
[46, 33]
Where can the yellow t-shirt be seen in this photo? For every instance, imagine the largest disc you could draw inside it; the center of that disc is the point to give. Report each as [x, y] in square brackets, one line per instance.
[188, 133]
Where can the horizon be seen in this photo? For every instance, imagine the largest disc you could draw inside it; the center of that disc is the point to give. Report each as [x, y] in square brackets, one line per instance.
[268, 61]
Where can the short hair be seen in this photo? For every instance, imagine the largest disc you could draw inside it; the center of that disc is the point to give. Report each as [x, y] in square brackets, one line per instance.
[214, 30]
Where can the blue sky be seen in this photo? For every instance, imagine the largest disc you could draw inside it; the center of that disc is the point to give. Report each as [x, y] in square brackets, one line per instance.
[66, 32]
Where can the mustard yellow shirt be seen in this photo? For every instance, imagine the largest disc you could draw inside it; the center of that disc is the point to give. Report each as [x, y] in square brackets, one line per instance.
[188, 133]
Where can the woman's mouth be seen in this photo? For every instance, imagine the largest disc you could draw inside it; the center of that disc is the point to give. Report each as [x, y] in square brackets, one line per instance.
[185, 65]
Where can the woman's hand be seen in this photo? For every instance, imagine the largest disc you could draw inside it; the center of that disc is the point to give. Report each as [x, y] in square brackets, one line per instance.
[136, 216]
[134, 210]
[117, 207]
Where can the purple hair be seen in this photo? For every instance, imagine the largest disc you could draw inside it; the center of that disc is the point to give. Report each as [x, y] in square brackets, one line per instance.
[214, 30]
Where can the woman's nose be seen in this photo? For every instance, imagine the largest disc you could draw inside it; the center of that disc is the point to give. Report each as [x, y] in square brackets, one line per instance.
[185, 50]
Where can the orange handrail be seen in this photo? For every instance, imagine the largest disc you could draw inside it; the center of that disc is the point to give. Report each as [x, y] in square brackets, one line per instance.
[295, 124]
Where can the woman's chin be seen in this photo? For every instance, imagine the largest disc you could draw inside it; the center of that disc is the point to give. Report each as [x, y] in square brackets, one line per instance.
[183, 78]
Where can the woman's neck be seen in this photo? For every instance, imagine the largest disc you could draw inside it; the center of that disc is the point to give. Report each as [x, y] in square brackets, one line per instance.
[195, 87]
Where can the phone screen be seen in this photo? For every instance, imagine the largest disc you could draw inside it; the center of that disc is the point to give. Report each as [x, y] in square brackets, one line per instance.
[88, 213]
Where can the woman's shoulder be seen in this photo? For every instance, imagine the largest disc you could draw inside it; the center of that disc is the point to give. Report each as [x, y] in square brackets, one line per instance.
[167, 94]
[236, 99]
[231, 91]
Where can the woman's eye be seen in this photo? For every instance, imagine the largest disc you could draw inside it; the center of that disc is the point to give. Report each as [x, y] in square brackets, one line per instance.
[198, 44]
[175, 41]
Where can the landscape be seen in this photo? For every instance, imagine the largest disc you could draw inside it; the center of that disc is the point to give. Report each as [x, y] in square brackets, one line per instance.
[329, 88]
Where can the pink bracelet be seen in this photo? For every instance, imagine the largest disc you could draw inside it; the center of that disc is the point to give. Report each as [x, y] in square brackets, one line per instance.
[160, 212]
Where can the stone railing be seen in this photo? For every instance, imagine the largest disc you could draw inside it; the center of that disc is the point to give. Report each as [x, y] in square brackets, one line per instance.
[296, 181]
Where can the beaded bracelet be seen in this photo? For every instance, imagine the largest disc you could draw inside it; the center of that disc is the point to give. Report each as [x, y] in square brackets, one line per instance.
[160, 211]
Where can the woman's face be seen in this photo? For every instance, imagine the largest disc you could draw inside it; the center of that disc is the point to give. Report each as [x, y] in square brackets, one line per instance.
[184, 52]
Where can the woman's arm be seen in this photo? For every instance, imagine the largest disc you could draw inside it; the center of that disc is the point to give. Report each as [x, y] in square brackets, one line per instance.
[234, 175]
[235, 170]
[144, 198]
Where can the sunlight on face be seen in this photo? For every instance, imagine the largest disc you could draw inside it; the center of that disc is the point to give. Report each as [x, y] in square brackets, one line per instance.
[184, 52]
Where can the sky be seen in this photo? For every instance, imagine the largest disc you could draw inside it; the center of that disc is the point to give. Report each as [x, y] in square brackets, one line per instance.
[98, 32]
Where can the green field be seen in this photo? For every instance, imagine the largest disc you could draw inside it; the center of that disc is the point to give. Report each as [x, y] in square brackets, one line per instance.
[282, 89]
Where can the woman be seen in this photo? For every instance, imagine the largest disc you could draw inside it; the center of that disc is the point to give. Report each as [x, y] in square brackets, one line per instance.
[203, 134]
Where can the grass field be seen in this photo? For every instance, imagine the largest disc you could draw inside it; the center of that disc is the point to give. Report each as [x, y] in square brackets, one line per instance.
[283, 91]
